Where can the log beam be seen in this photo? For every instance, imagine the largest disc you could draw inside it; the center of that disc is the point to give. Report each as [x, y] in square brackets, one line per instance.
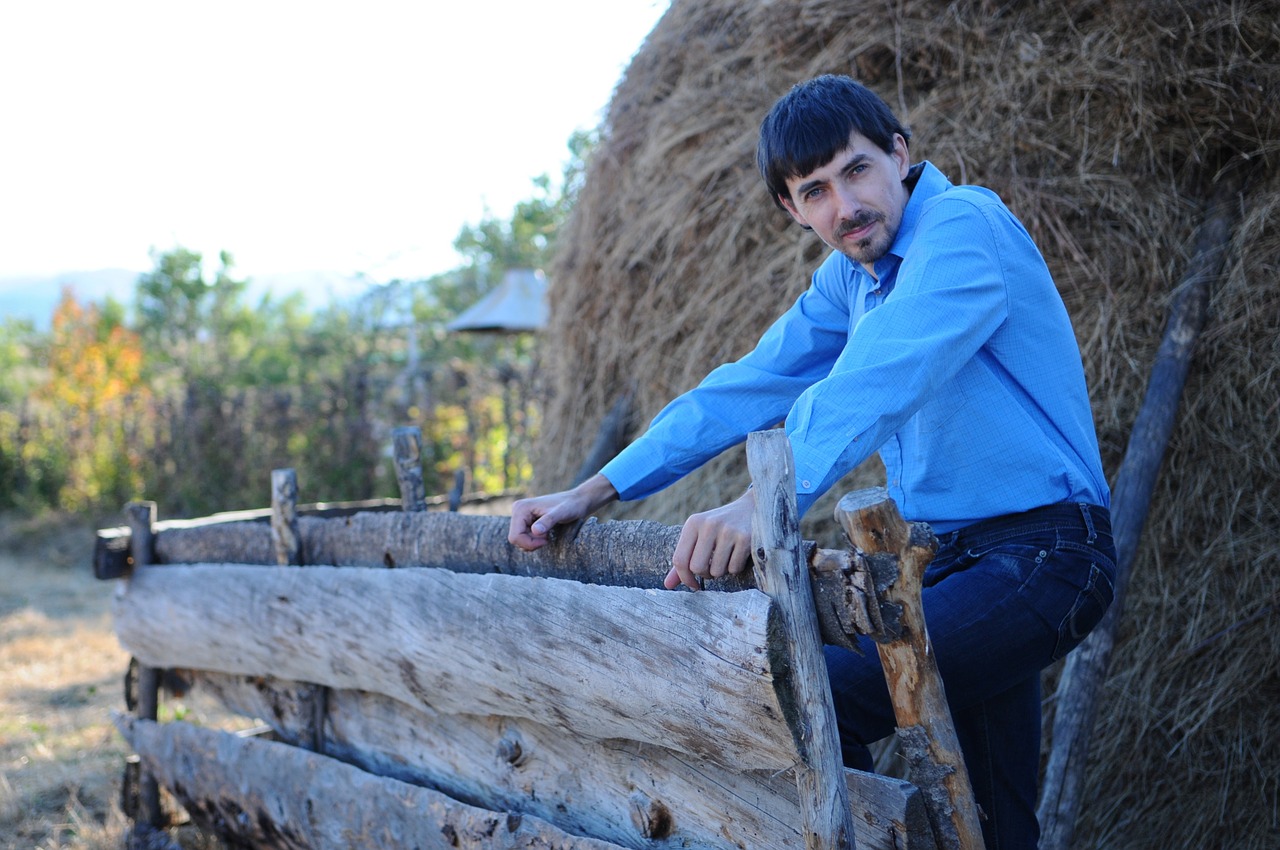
[233, 785]
[581, 785]
[628, 553]
[597, 663]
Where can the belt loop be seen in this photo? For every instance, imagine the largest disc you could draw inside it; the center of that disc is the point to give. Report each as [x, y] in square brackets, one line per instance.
[1088, 522]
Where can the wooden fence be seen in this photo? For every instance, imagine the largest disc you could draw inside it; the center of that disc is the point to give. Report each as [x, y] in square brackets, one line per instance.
[427, 685]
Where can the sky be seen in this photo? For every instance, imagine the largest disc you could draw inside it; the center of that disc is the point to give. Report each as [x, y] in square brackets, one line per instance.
[350, 138]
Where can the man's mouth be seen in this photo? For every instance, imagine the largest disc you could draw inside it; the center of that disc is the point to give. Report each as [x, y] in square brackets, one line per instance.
[858, 228]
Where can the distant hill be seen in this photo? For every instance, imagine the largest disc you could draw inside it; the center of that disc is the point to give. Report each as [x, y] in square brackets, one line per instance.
[34, 296]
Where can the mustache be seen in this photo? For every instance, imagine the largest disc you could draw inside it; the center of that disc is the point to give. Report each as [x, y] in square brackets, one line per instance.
[857, 223]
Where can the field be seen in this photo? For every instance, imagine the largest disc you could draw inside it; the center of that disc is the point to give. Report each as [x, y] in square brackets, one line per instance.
[61, 676]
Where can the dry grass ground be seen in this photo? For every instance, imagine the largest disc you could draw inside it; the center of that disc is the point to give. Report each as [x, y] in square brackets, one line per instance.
[61, 675]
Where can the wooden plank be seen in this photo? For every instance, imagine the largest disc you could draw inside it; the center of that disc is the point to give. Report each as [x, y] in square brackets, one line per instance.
[783, 574]
[625, 792]
[268, 795]
[614, 662]
[927, 733]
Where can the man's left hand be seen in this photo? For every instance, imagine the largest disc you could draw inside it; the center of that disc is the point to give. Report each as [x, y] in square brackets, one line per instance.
[713, 543]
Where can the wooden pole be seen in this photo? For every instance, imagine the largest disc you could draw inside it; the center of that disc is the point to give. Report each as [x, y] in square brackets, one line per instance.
[287, 543]
[782, 573]
[141, 517]
[285, 539]
[407, 447]
[1085, 670]
[874, 526]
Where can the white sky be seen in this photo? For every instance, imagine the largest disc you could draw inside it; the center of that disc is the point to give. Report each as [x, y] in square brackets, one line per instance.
[350, 137]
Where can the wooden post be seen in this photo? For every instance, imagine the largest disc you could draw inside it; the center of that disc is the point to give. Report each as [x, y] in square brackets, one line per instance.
[141, 517]
[874, 526]
[782, 572]
[285, 538]
[1085, 670]
[407, 446]
[287, 543]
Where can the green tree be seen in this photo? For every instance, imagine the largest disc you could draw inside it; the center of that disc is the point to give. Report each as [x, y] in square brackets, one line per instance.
[480, 407]
[200, 326]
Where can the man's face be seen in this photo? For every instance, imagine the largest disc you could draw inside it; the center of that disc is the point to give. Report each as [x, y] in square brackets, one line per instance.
[854, 202]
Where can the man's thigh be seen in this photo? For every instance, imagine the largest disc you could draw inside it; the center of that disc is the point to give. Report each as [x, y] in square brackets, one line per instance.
[999, 608]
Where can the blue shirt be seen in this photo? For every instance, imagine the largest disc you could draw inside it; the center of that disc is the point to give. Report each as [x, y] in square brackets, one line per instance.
[958, 365]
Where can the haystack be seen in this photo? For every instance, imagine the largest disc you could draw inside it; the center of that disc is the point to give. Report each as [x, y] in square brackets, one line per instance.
[1105, 127]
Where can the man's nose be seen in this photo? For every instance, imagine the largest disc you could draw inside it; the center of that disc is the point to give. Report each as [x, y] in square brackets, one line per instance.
[848, 203]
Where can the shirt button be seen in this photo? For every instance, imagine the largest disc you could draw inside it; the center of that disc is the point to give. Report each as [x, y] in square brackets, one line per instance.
[805, 484]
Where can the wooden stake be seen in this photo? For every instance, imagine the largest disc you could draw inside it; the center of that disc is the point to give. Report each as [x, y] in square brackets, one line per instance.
[407, 446]
[874, 526]
[782, 573]
[141, 517]
[1085, 670]
[287, 543]
[285, 538]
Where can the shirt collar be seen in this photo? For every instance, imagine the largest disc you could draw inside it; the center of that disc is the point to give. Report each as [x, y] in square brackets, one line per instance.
[925, 182]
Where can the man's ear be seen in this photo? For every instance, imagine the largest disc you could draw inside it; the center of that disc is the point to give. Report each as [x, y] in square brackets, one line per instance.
[793, 212]
[901, 155]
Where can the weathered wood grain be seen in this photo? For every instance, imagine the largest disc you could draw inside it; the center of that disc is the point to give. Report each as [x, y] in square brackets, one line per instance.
[783, 574]
[874, 526]
[285, 542]
[626, 792]
[618, 554]
[234, 785]
[689, 671]
[407, 450]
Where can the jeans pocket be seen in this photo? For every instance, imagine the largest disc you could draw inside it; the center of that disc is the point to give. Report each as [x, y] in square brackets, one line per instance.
[1085, 613]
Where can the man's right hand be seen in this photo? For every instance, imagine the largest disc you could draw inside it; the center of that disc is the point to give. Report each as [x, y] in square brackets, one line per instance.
[532, 519]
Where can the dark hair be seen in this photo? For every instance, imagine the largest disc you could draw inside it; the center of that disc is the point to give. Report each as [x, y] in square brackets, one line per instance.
[812, 123]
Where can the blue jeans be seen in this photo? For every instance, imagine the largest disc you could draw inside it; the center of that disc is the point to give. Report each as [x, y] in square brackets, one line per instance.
[1003, 599]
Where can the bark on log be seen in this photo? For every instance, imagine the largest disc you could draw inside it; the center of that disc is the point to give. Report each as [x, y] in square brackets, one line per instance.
[603, 664]
[617, 790]
[783, 574]
[233, 785]
[1085, 670]
[874, 526]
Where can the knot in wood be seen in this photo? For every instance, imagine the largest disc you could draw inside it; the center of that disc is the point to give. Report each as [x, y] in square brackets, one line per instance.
[511, 751]
[651, 817]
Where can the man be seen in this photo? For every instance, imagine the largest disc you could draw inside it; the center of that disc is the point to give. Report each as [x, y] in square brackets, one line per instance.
[934, 335]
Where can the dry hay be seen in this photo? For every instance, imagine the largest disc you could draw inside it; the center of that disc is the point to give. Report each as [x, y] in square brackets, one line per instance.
[1103, 126]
